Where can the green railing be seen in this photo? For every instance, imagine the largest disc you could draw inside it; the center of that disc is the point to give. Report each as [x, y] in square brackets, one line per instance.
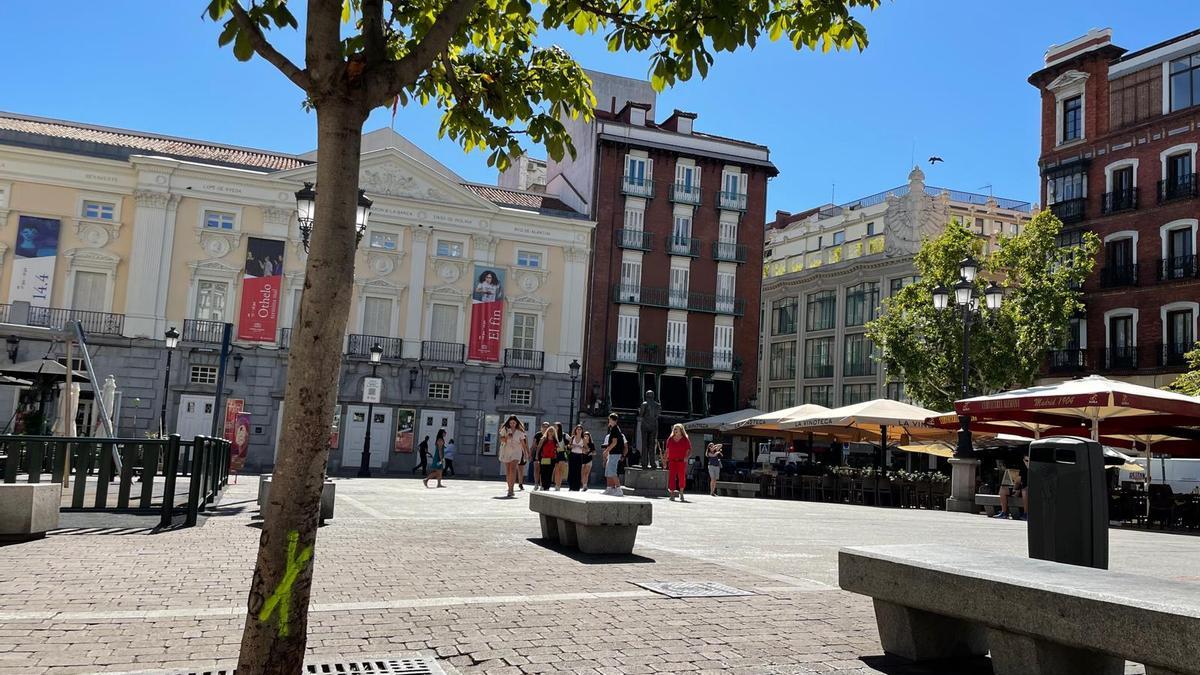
[147, 482]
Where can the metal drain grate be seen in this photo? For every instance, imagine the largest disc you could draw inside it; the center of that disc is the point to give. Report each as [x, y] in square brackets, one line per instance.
[693, 589]
[409, 665]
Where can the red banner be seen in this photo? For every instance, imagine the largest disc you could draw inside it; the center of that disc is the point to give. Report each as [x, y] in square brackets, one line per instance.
[487, 314]
[261, 284]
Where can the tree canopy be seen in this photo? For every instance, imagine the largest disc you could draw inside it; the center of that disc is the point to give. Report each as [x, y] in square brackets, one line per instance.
[922, 347]
[479, 61]
[1189, 382]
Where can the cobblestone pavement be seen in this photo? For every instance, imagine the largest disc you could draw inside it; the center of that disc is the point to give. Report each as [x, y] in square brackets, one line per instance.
[461, 574]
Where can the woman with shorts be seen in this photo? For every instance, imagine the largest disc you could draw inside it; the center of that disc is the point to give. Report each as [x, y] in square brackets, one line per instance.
[714, 467]
[514, 449]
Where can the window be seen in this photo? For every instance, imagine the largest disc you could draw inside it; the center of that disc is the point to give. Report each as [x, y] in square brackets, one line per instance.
[1070, 238]
[858, 355]
[857, 393]
[383, 240]
[1180, 262]
[203, 375]
[722, 347]
[862, 303]
[1185, 82]
[1064, 188]
[1180, 338]
[895, 285]
[1179, 174]
[686, 177]
[211, 297]
[449, 249]
[725, 292]
[627, 338]
[818, 357]
[839, 238]
[870, 229]
[1075, 334]
[895, 391]
[681, 235]
[635, 220]
[377, 316]
[631, 280]
[637, 170]
[438, 390]
[679, 287]
[676, 343]
[1072, 118]
[98, 210]
[519, 397]
[822, 308]
[783, 316]
[89, 291]
[781, 397]
[443, 325]
[783, 361]
[219, 220]
[1122, 347]
[733, 184]
[524, 331]
[819, 395]
[727, 232]
[529, 259]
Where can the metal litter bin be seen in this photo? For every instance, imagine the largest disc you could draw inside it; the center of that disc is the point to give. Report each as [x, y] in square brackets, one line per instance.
[1068, 502]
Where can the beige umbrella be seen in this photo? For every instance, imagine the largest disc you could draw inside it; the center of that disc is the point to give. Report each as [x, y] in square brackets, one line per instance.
[65, 424]
[771, 421]
[718, 422]
[44, 368]
[935, 448]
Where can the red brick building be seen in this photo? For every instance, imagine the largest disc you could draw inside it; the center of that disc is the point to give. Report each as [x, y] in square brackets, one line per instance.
[1119, 136]
[676, 269]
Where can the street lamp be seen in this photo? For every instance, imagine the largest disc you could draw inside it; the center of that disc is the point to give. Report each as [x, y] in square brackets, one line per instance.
[574, 368]
[499, 385]
[14, 345]
[364, 469]
[237, 365]
[172, 340]
[306, 206]
[708, 392]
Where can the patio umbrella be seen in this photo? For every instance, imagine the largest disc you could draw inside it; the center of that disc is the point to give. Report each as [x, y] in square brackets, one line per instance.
[46, 369]
[935, 448]
[717, 422]
[874, 417]
[772, 421]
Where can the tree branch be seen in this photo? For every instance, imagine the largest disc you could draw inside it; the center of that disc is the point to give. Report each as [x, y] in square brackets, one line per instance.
[385, 79]
[268, 52]
[374, 45]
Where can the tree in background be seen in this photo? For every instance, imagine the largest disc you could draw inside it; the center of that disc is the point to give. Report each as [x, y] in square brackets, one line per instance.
[1189, 382]
[922, 347]
[479, 62]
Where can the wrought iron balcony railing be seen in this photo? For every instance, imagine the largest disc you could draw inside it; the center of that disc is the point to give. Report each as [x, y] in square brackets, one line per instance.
[639, 240]
[359, 345]
[202, 330]
[95, 323]
[728, 251]
[1066, 360]
[638, 187]
[1178, 267]
[1119, 200]
[733, 201]
[524, 358]
[684, 193]
[1178, 187]
[1070, 210]
[445, 352]
[1115, 276]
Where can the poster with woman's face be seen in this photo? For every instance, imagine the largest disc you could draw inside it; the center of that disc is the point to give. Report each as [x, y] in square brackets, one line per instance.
[489, 284]
[487, 314]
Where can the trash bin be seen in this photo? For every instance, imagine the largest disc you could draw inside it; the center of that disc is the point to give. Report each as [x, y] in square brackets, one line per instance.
[1068, 502]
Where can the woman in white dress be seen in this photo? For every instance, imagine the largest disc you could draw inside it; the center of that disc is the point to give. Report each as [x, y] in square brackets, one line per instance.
[514, 447]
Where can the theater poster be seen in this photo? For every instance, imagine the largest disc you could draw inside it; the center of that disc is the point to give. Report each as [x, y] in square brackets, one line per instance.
[405, 422]
[33, 260]
[487, 314]
[240, 444]
[261, 282]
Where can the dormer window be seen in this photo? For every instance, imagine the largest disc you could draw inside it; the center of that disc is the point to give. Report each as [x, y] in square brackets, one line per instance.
[1070, 106]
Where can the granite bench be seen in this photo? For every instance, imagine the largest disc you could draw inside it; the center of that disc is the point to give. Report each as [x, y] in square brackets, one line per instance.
[991, 503]
[328, 495]
[591, 522]
[732, 489]
[1035, 617]
[28, 510]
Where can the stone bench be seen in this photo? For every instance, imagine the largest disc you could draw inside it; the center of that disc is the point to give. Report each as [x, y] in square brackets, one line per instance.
[591, 522]
[1034, 616]
[991, 503]
[328, 494]
[732, 489]
[28, 510]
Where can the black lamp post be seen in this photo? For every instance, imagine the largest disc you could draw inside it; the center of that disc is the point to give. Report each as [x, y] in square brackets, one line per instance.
[364, 470]
[574, 367]
[306, 205]
[499, 385]
[14, 345]
[172, 341]
[237, 365]
[412, 379]
[708, 392]
[967, 301]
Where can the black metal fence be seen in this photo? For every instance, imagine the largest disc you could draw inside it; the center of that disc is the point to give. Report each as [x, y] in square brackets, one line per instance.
[148, 482]
[97, 323]
[200, 330]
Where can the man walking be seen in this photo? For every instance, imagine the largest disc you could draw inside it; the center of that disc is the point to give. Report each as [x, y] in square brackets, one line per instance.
[450, 458]
[423, 454]
[613, 452]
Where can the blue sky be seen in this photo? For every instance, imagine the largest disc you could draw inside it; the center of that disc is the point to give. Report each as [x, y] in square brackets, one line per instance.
[944, 77]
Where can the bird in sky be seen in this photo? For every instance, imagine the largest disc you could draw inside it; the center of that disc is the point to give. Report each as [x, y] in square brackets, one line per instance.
[935, 159]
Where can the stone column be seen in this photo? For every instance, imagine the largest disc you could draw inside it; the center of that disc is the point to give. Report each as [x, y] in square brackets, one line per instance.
[416, 293]
[150, 264]
[962, 485]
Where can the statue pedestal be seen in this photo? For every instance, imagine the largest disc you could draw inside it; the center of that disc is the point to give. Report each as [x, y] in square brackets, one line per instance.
[646, 482]
[962, 485]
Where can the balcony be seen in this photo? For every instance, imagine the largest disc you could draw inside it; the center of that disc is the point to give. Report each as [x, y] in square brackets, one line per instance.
[1178, 267]
[1119, 200]
[727, 251]
[637, 186]
[1066, 361]
[638, 240]
[1120, 358]
[675, 356]
[201, 330]
[1174, 355]
[732, 201]
[94, 323]
[629, 351]
[443, 352]
[680, 245]
[524, 358]
[358, 345]
[1178, 187]
[1069, 210]
[683, 193]
[1116, 276]
[285, 338]
[657, 296]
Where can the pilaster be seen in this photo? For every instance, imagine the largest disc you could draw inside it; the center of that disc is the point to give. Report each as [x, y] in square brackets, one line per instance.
[150, 263]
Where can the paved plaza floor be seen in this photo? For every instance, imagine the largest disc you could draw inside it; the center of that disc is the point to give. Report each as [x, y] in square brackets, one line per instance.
[461, 574]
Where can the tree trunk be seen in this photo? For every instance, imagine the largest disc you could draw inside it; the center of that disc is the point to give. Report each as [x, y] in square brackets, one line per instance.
[277, 618]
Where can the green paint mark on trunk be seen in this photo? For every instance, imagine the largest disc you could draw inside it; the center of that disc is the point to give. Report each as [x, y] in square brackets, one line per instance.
[281, 598]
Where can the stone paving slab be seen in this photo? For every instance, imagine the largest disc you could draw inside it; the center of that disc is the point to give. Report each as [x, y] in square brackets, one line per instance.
[463, 575]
